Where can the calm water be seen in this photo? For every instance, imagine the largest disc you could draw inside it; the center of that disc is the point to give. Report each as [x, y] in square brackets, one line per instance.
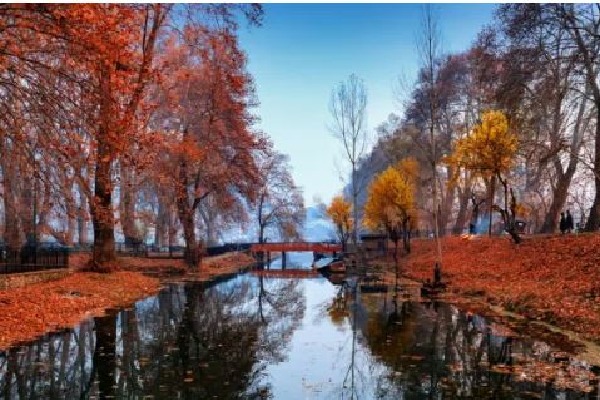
[256, 338]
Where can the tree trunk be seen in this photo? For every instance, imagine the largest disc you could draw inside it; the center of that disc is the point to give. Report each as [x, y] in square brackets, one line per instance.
[186, 213]
[186, 217]
[342, 237]
[161, 230]
[447, 201]
[491, 207]
[564, 178]
[82, 226]
[510, 218]
[593, 222]
[396, 260]
[101, 207]
[591, 75]
[461, 217]
[209, 218]
[127, 204]
[558, 202]
[102, 213]
[406, 236]
[11, 216]
[354, 206]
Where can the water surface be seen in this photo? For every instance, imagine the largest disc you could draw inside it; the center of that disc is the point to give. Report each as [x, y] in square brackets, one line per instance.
[253, 337]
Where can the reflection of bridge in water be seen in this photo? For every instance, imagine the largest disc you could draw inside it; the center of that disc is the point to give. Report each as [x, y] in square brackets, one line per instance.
[317, 248]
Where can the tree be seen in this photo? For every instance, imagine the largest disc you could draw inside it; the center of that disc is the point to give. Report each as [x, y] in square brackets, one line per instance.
[568, 36]
[205, 125]
[340, 211]
[75, 86]
[348, 107]
[489, 152]
[582, 22]
[546, 98]
[90, 65]
[390, 206]
[279, 201]
[429, 49]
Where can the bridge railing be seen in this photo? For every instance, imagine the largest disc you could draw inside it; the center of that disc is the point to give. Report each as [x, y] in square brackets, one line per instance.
[296, 246]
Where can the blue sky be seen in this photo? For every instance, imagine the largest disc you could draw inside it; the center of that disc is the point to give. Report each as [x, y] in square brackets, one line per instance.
[303, 50]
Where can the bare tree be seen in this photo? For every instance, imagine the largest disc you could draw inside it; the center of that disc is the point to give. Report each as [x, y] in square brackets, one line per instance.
[279, 204]
[428, 46]
[348, 107]
[582, 22]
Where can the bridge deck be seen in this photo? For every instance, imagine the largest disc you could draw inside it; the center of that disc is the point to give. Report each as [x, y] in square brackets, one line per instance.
[287, 273]
[296, 246]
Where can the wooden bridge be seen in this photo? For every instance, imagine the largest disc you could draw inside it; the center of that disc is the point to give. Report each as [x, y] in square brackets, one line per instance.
[285, 247]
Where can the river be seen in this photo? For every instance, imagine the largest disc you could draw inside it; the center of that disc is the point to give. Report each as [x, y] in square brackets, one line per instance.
[255, 337]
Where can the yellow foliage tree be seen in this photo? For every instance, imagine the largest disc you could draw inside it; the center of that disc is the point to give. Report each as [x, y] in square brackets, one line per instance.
[491, 147]
[390, 205]
[490, 151]
[340, 212]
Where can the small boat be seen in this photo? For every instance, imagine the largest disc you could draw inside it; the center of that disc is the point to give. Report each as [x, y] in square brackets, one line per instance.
[336, 267]
[333, 266]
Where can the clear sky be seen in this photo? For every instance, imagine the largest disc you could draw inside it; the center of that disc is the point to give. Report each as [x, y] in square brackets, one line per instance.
[303, 50]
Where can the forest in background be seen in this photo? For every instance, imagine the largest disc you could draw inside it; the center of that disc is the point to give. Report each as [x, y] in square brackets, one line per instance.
[536, 63]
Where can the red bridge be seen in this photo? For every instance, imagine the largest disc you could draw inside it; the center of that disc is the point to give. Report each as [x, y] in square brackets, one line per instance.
[286, 247]
[288, 273]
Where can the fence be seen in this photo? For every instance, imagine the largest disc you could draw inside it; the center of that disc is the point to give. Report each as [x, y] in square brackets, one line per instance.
[31, 258]
[167, 252]
[131, 250]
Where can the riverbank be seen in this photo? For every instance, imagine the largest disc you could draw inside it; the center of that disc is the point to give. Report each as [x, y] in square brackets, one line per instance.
[550, 279]
[30, 311]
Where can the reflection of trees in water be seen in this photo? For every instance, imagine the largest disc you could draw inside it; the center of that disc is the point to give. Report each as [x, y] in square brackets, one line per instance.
[55, 368]
[347, 311]
[189, 341]
[280, 306]
[433, 352]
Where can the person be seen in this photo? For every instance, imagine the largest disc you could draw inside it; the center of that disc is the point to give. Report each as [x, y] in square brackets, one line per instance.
[569, 222]
[563, 223]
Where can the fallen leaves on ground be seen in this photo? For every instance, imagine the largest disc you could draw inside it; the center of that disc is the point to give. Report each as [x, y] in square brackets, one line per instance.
[153, 265]
[223, 264]
[28, 312]
[227, 260]
[553, 278]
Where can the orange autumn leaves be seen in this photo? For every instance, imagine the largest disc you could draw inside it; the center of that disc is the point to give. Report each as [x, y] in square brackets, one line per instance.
[547, 278]
[114, 95]
[33, 310]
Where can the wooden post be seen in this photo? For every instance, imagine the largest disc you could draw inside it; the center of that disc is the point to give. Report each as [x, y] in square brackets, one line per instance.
[283, 260]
